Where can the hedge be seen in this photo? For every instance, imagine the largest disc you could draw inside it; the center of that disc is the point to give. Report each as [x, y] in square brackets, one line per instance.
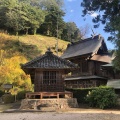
[1, 93]
[8, 98]
[81, 93]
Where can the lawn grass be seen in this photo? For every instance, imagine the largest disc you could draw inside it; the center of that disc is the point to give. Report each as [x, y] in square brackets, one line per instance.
[14, 105]
[4, 107]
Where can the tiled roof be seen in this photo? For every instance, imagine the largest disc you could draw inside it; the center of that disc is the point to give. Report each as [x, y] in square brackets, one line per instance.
[107, 65]
[49, 61]
[83, 47]
[115, 83]
[84, 78]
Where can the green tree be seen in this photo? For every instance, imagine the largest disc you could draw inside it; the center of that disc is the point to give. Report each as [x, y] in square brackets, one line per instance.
[35, 18]
[46, 4]
[109, 15]
[71, 32]
[13, 17]
[19, 15]
[5, 6]
[53, 22]
[14, 21]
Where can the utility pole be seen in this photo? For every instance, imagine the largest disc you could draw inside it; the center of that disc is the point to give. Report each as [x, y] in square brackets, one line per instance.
[57, 38]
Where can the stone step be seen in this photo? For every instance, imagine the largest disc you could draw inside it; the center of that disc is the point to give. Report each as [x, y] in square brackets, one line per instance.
[47, 109]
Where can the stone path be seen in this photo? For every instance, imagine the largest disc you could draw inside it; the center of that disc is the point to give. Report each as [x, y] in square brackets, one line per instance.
[70, 114]
[61, 116]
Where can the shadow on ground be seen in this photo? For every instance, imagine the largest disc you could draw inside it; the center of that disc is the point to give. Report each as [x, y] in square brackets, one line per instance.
[14, 107]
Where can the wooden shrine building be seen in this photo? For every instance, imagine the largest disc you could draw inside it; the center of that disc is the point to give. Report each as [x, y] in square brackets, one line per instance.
[89, 54]
[47, 72]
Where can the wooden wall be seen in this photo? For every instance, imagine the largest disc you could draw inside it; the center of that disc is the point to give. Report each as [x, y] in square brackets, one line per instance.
[84, 83]
[89, 68]
[55, 87]
[111, 73]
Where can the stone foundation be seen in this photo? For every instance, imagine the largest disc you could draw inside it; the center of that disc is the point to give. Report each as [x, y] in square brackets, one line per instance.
[39, 104]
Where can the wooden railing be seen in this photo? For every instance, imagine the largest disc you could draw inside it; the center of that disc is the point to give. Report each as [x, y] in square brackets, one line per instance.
[33, 95]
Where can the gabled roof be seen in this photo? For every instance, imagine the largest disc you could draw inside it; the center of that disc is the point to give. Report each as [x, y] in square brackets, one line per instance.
[84, 47]
[49, 61]
[102, 58]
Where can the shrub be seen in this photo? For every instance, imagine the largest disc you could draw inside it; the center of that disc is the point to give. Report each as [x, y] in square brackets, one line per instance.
[1, 93]
[21, 95]
[8, 98]
[80, 93]
[102, 98]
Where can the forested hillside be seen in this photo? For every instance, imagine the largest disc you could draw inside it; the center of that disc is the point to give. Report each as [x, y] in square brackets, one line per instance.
[15, 50]
[27, 29]
[37, 16]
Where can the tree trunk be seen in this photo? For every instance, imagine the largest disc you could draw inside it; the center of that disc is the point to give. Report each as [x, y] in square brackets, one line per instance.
[34, 31]
[26, 31]
[16, 33]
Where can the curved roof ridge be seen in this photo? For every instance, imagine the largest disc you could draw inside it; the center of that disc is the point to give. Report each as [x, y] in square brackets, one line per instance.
[84, 40]
[35, 59]
[66, 61]
[99, 44]
[49, 60]
[84, 47]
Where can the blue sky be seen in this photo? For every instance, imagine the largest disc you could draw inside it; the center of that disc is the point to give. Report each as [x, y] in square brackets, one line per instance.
[73, 14]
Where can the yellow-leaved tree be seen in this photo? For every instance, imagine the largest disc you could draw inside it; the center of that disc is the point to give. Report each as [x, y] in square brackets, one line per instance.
[11, 72]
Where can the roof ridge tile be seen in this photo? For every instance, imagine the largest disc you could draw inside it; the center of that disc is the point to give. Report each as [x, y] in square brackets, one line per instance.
[44, 62]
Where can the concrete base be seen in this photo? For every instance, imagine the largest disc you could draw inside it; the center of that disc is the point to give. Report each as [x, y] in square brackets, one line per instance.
[52, 104]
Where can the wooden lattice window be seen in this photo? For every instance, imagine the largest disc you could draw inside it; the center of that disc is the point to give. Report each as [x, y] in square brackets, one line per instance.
[49, 77]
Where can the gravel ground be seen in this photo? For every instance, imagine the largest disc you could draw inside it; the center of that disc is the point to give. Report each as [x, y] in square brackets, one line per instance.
[73, 115]
[70, 114]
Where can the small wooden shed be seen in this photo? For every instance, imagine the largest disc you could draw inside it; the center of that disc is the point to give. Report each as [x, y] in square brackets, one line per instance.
[47, 72]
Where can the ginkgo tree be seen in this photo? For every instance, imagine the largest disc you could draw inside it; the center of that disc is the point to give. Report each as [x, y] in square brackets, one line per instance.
[10, 72]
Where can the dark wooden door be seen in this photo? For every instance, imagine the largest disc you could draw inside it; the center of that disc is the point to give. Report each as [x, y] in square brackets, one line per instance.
[49, 81]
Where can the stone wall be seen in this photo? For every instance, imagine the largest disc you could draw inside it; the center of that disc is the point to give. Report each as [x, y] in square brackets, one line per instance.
[38, 104]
